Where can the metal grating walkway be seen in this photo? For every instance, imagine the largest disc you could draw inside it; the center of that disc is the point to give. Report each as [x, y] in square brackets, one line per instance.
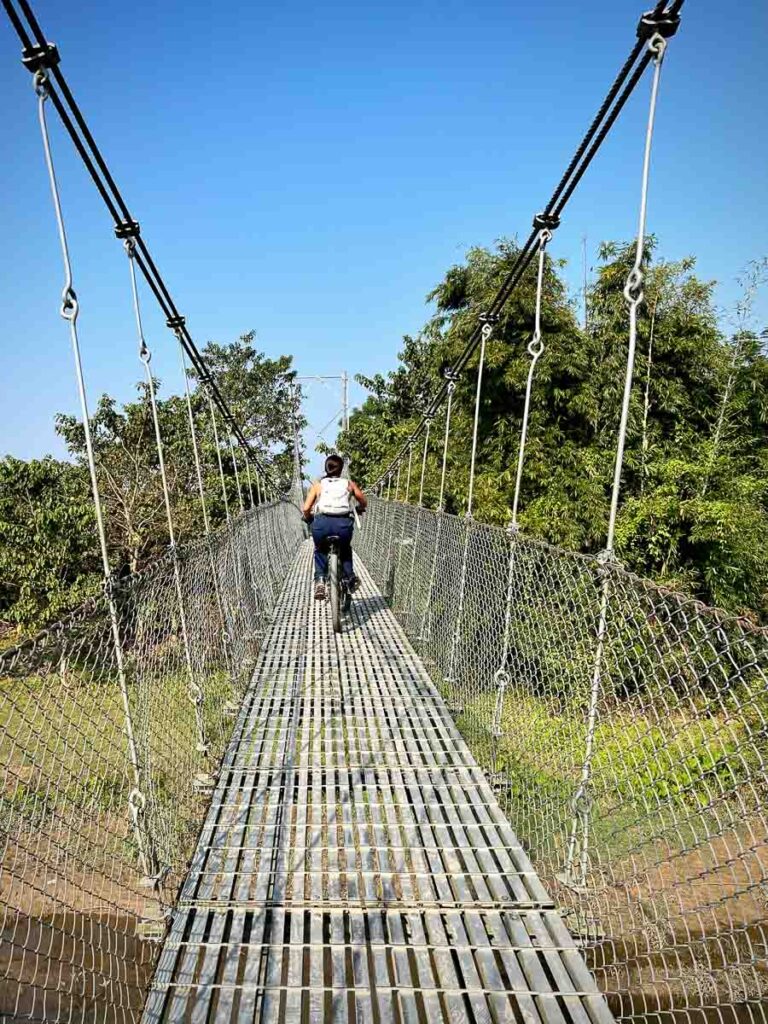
[354, 865]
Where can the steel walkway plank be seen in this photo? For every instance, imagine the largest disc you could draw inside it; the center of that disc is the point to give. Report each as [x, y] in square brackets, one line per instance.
[354, 865]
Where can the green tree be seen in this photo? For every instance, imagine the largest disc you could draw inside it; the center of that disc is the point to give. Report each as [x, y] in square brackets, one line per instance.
[129, 478]
[263, 396]
[49, 560]
[693, 488]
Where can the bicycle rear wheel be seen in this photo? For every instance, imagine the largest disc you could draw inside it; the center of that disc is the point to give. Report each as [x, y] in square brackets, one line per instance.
[335, 587]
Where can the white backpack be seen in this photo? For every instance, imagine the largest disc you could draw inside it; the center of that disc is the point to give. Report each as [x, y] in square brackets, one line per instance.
[334, 497]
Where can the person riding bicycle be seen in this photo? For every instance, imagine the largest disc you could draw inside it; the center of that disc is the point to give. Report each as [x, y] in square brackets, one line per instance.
[328, 508]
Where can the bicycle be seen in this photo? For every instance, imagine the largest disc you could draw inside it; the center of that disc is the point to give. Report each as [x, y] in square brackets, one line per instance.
[339, 591]
[338, 588]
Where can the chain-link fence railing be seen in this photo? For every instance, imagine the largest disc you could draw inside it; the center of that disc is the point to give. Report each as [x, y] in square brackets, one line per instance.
[93, 846]
[626, 729]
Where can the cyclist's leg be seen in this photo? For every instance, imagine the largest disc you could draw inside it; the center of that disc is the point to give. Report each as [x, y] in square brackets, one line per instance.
[345, 548]
[319, 534]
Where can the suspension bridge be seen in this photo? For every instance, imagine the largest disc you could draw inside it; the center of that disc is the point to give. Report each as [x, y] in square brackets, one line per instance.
[214, 808]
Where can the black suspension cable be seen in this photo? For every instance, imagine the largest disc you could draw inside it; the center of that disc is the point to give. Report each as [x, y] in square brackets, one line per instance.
[664, 19]
[37, 53]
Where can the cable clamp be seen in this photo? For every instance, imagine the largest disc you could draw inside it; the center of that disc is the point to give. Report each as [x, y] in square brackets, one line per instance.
[451, 375]
[127, 229]
[110, 585]
[137, 803]
[607, 562]
[633, 289]
[69, 304]
[535, 346]
[176, 323]
[487, 323]
[36, 57]
[546, 222]
[502, 678]
[582, 801]
[664, 24]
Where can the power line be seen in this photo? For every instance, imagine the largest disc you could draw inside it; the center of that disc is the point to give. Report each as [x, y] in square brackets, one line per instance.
[664, 19]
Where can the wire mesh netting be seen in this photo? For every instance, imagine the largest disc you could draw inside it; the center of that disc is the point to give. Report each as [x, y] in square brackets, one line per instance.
[93, 851]
[626, 730]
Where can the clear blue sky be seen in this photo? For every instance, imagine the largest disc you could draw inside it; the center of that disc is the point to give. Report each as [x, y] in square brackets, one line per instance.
[311, 170]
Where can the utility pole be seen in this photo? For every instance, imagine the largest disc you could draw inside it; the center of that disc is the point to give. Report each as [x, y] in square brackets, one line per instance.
[344, 401]
[323, 379]
[344, 378]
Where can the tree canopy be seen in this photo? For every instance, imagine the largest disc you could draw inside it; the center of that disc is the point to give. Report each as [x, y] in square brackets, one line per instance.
[693, 510]
[49, 558]
[694, 501]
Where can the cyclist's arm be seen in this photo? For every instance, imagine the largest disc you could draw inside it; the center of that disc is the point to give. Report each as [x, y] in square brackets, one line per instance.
[312, 496]
[358, 496]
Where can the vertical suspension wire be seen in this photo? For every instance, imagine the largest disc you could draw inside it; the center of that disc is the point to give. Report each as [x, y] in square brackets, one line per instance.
[193, 436]
[374, 512]
[206, 519]
[380, 513]
[486, 332]
[217, 446]
[425, 452]
[535, 351]
[426, 622]
[233, 455]
[424, 461]
[194, 689]
[227, 514]
[387, 512]
[404, 514]
[249, 481]
[391, 544]
[444, 467]
[408, 475]
[574, 873]
[239, 535]
[484, 336]
[70, 309]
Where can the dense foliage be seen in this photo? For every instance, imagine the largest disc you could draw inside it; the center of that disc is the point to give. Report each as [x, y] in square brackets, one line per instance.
[693, 511]
[49, 558]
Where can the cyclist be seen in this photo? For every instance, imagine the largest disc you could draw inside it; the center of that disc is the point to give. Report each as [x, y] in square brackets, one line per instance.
[328, 508]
